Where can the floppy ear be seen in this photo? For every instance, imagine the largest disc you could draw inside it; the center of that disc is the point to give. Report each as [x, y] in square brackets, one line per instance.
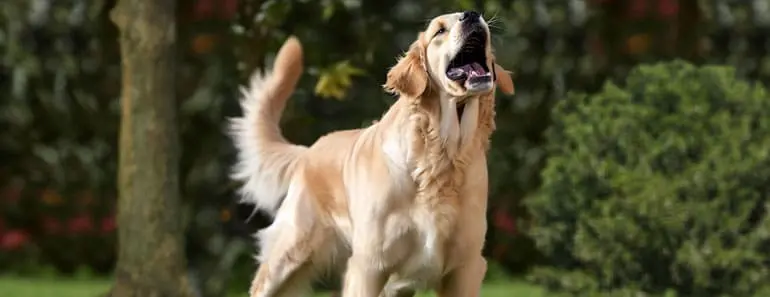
[503, 79]
[409, 77]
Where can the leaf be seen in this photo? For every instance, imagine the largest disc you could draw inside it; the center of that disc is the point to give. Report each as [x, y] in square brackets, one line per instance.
[661, 167]
[329, 8]
[333, 82]
[273, 12]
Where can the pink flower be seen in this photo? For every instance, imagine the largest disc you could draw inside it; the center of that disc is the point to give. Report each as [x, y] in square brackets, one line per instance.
[13, 240]
[80, 224]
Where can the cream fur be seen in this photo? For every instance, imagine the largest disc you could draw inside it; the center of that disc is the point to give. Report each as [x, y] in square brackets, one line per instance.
[399, 205]
[265, 158]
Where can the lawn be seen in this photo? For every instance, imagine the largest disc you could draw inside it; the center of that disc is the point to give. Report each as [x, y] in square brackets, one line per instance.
[27, 287]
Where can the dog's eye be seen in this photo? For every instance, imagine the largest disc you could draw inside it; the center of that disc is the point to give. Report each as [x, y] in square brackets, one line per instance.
[439, 31]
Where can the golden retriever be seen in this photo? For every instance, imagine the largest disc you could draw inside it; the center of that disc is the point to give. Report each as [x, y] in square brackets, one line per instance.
[399, 205]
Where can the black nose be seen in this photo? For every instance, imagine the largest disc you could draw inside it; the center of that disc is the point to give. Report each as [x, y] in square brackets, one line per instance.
[470, 16]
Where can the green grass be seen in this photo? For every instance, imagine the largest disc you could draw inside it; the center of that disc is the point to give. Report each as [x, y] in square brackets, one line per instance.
[29, 287]
[512, 289]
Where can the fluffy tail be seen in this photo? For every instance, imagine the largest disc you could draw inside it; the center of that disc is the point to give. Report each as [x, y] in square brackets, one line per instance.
[265, 159]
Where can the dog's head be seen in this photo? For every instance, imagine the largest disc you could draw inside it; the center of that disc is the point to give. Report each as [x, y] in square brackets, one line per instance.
[454, 55]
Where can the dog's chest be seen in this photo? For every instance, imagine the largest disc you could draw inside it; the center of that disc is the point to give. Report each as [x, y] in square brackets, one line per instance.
[424, 262]
[429, 218]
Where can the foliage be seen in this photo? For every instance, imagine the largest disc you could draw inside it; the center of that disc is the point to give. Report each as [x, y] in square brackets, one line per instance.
[57, 140]
[334, 81]
[59, 78]
[658, 185]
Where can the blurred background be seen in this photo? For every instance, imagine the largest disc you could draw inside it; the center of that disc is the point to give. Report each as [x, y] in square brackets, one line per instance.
[634, 159]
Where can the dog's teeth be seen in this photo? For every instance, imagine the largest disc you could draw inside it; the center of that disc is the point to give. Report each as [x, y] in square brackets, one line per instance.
[455, 73]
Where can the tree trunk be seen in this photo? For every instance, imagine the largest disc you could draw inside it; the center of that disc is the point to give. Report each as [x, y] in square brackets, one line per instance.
[151, 258]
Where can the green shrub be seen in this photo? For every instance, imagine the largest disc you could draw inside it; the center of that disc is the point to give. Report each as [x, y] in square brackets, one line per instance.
[659, 187]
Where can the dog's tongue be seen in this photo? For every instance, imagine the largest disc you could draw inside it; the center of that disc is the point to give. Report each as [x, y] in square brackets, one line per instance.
[476, 70]
[466, 71]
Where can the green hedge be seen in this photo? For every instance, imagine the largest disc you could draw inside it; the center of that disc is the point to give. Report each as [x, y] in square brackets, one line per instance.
[660, 187]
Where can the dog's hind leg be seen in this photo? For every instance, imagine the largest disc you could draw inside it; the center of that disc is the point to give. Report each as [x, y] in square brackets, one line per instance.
[291, 279]
[288, 245]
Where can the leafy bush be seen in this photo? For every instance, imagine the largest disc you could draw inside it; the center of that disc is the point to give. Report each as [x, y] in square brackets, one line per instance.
[659, 187]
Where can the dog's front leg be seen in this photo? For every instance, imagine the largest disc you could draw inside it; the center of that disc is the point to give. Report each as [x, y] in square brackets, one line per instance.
[465, 280]
[377, 242]
[363, 278]
[366, 268]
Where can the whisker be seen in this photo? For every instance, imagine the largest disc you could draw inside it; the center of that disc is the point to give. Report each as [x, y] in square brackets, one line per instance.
[494, 22]
[496, 25]
[494, 18]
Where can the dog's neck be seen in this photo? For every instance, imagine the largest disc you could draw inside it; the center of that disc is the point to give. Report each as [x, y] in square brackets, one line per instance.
[434, 124]
[458, 121]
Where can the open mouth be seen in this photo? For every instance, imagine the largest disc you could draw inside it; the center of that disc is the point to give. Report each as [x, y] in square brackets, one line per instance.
[469, 67]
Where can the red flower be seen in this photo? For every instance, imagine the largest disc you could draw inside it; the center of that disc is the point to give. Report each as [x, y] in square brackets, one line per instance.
[505, 222]
[80, 224]
[203, 9]
[108, 224]
[596, 45]
[668, 8]
[85, 198]
[229, 9]
[51, 225]
[13, 240]
[637, 9]
[12, 191]
[499, 250]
